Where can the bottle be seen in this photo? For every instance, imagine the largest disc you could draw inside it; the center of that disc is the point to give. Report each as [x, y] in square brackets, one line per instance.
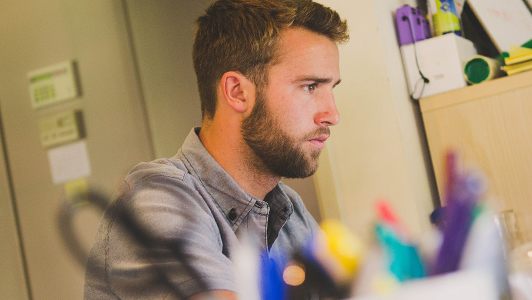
[444, 17]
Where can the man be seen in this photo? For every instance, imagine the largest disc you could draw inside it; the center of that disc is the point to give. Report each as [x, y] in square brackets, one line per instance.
[266, 71]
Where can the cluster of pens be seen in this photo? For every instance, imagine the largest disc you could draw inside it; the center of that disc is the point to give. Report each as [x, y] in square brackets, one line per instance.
[463, 194]
[454, 223]
[338, 265]
[331, 261]
[324, 268]
[465, 238]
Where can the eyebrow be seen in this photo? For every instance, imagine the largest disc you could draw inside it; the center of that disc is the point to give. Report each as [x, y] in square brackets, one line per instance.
[319, 80]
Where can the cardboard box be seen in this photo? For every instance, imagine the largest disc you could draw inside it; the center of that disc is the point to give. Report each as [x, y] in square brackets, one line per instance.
[441, 60]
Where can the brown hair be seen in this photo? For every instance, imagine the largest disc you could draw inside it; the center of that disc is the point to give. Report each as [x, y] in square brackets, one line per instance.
[242, 35]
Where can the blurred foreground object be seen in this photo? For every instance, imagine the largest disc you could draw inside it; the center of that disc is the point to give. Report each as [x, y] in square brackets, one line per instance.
[465, 261]
[71, 205]
[521, 272]
[330, 263]
[327, 264]
[155, 247]
[465, 256]
[463, 285]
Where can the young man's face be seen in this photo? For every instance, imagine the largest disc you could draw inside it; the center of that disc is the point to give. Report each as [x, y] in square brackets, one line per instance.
[292, 114]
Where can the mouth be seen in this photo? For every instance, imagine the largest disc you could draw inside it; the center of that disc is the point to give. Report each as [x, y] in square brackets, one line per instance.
[319, 141]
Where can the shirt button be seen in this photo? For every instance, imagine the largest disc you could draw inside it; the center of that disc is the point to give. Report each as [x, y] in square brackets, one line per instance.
[232, 214]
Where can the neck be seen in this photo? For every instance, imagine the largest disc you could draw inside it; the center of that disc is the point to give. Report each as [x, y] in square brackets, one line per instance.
[234, 156]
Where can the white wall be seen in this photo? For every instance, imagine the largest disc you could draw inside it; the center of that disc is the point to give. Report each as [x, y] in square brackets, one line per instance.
[377, 150]
[163, 33]
[36, 34]
[409, 117]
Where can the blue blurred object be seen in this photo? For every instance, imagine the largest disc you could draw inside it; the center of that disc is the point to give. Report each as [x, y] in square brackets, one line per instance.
[272, 284]
[404, 260]
[463, 194]
[437, 217]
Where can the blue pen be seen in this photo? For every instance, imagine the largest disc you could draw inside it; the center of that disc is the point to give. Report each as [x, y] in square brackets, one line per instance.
[272, 285]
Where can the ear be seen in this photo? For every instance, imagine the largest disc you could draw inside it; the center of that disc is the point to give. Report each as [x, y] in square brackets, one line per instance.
[237, 91]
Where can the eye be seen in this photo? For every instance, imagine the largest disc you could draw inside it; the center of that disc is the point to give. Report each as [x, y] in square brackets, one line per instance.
[310, 87]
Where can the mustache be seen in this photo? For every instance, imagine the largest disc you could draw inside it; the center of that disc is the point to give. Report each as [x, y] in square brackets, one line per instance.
[318, 132]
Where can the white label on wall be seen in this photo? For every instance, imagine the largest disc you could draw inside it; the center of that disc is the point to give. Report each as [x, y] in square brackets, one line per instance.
[52, 84]
[69, 162]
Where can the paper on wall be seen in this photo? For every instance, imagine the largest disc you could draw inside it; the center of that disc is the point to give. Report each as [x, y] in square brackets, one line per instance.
[69, 162]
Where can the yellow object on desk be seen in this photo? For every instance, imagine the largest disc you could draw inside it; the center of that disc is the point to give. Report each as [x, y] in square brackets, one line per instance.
[341, 251]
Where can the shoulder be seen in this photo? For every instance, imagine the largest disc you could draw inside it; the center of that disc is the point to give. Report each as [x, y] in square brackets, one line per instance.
[165, 193]
[161, 180]
[164, 167]
[166, 202]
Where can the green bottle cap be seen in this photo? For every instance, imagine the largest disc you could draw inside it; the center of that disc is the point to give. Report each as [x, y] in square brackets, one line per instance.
[477, 70]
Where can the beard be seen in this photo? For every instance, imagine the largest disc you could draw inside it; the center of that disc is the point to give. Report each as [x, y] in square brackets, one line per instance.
[274, 150]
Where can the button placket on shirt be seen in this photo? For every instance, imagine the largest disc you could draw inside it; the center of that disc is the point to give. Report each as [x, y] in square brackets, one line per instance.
[264, 209]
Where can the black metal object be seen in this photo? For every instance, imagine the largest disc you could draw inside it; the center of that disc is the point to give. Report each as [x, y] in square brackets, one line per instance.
[68, 211]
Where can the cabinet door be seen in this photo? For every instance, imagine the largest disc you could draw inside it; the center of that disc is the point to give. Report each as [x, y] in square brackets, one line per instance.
[492, 132]
[12, 279]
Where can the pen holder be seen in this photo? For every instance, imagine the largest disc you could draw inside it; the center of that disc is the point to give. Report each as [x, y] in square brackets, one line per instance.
[507, 225]
[521, 272]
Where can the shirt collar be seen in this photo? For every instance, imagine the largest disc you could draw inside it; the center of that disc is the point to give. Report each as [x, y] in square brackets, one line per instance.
[234, 202]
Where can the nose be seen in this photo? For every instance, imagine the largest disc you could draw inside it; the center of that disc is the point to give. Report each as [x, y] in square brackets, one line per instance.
[328, 113]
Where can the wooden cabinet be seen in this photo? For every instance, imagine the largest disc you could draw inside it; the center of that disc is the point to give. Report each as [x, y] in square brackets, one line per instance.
[490, 125]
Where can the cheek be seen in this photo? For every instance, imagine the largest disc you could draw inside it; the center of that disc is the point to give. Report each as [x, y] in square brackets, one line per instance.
[293, 125]
[293, 114]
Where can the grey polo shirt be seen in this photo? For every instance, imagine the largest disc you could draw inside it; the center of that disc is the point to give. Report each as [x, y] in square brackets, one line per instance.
[189, 199]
